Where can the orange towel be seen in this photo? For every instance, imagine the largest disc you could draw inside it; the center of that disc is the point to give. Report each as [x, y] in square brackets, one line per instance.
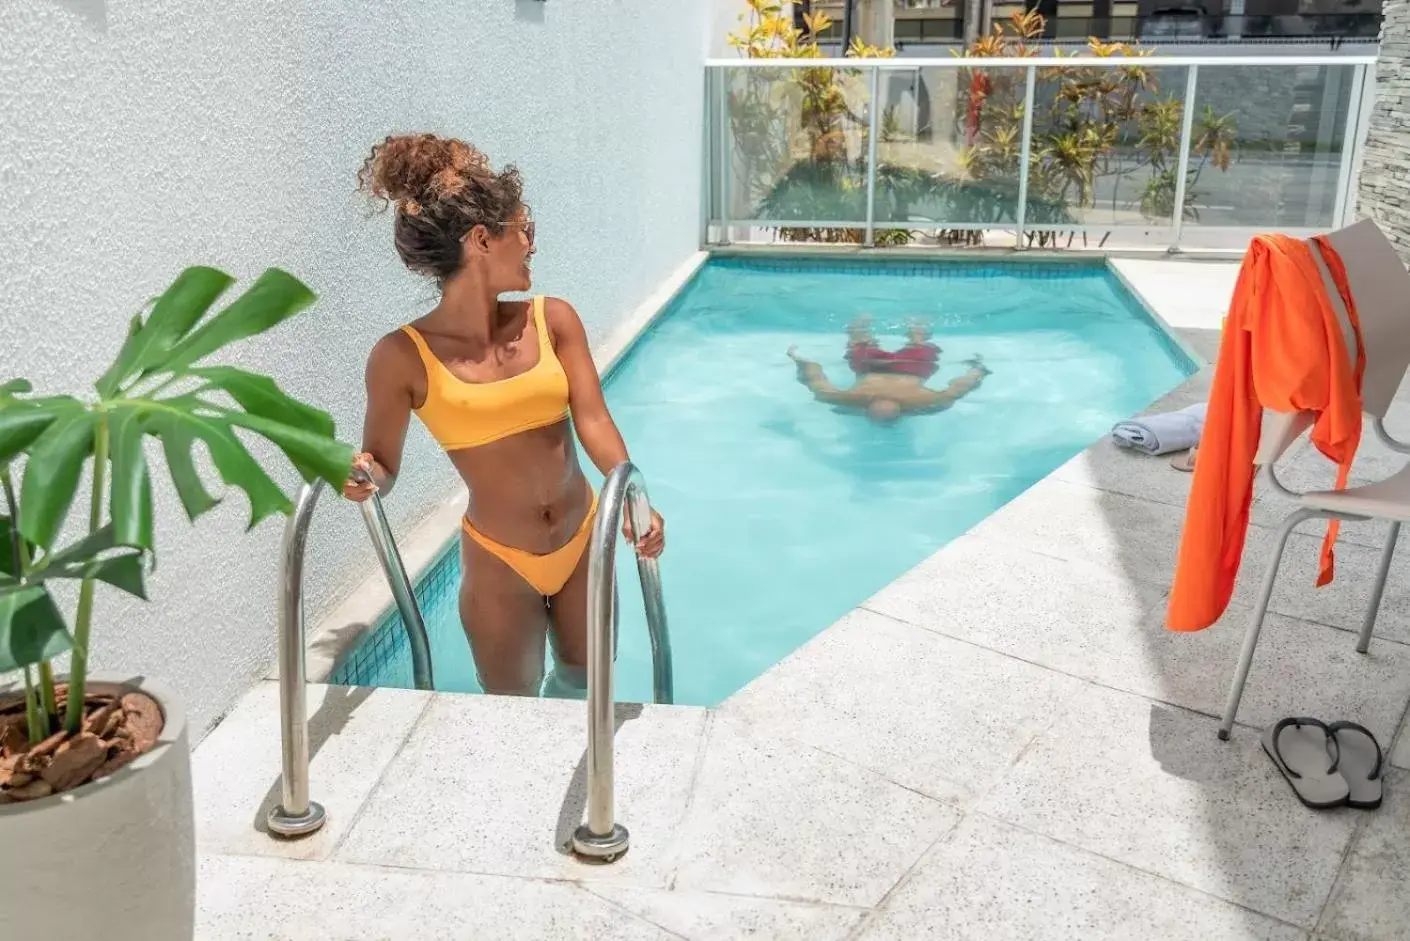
[1282, 348]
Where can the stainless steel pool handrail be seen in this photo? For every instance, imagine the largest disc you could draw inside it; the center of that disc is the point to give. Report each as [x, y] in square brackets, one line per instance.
[296, 814]
[601, 837]
[385, 545]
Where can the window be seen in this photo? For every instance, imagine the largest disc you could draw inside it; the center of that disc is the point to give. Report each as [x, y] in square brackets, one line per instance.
[929, 29]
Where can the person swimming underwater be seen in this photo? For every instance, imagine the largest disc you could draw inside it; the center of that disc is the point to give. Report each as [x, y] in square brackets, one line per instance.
[889, 384]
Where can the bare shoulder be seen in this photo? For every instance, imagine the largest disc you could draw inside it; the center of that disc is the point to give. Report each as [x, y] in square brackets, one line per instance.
[394, 357]
[394, 347]
[562, 320]
[556, 310]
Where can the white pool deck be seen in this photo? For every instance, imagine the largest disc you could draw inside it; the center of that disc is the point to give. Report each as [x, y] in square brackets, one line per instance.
[1003, 744]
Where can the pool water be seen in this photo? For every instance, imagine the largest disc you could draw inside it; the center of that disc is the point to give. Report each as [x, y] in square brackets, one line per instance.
[783, 513]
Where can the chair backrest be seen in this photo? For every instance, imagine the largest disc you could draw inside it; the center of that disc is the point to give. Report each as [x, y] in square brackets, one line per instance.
[1380, 286]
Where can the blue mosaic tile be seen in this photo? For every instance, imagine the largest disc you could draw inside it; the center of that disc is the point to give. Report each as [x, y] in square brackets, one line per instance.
[1168, 343]
[1044, 270]
[383, 656]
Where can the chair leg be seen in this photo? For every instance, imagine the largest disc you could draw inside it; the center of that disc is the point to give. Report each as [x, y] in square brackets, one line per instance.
[1377, 590]
[1255, 624]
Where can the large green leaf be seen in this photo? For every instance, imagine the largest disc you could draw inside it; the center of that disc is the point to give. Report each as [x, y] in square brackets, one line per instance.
[181, 421]
[99, 555]
[9, 563]
[107, 383]
[131, 494]
[314, 455]
[32, 629]
[259, 395]
[95, 544]
[22, 421]
[274, 297]
[238, 469]
[123, 572]
[56, 462]
[176, 312]
[177, 437]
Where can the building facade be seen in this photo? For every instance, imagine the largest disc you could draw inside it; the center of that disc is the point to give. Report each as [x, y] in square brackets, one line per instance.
[911, 23]
[1385, 173]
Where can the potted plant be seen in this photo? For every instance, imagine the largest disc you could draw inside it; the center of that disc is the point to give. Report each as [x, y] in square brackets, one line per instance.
[95, 792]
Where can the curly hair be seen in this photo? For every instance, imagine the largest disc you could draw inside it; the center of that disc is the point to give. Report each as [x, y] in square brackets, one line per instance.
[441, 188]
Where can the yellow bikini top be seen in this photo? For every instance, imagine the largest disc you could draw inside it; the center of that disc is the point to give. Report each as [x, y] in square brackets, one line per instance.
[462, 414]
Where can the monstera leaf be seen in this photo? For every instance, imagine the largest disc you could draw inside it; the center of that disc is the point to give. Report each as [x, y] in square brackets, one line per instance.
[161, 387]
[32, 628]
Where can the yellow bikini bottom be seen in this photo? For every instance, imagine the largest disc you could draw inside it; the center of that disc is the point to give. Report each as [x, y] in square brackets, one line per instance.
[547, 573]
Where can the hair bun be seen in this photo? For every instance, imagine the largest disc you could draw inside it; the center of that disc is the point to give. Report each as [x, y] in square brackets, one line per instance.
[412, 170]
[442, 188]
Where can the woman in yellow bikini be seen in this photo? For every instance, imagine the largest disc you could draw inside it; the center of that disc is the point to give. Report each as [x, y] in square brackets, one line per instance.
[495, 383]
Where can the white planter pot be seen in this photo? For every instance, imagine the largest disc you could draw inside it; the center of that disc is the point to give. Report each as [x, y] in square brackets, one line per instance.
[114, 859]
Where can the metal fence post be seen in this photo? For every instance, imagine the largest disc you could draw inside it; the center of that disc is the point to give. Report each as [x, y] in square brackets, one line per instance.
[873, 124]
[707, 156]
[1030, 84]
[1345, 206]
[726, 156]
[1182, 168]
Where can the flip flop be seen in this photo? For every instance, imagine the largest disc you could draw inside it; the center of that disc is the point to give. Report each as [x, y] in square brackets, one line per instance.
[1300, 748]
[1185, 461]
[1359, 761]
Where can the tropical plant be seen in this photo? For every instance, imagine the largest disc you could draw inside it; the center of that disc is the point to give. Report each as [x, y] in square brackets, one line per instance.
[1099, 131]
[805, 118]
[1093, 128]
[162, 386]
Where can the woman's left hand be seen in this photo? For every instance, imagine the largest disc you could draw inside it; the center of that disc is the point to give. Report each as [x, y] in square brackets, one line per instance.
[653, 543]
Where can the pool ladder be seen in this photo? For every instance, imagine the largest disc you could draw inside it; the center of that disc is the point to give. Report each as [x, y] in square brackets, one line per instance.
[600, 837]
[296, 815]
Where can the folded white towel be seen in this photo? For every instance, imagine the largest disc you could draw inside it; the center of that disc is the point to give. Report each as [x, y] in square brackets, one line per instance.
[1161, 434]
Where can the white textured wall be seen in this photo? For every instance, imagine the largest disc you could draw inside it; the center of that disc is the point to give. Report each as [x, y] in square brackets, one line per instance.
[140, 136]
[723, 20]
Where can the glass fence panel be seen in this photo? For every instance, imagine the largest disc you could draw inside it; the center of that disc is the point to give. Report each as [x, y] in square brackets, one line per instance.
[1105, 147]
[1267, 145]
[788, 151]
[798, 144]
[948, 148]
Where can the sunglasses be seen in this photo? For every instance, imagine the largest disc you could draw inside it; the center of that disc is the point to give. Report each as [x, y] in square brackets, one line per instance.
[528, 227]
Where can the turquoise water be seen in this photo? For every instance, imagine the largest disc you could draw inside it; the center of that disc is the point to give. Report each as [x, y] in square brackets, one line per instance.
[783, 514]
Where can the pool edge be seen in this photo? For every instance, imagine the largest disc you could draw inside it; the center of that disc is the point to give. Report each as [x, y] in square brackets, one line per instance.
[998, 253]
[1150, 308]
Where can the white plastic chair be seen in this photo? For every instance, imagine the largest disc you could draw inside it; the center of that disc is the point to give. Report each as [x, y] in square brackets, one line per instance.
[1380, 287]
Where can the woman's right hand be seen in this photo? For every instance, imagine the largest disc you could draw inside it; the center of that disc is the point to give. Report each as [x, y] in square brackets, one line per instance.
[360, 486]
